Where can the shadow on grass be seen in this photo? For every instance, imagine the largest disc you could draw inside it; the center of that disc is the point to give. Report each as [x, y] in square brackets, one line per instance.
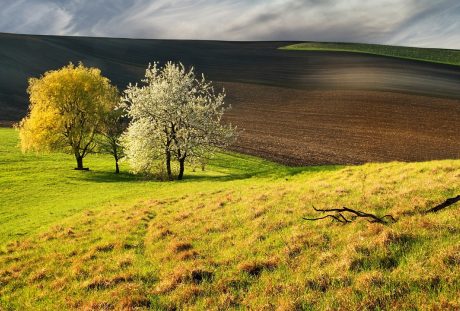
[226, 174]
[111, 177]
[284, 172]
[226, 166]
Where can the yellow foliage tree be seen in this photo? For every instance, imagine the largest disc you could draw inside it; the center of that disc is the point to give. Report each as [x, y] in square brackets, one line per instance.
[67, 107]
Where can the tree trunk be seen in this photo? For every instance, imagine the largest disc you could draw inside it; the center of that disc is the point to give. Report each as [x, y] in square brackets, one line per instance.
[168, 164]
[117, 169]
[181, 168]
[115, 157]
[79, 159]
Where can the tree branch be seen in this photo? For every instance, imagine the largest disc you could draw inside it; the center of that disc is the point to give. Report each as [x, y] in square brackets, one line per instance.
[443, 205]
[340, 217]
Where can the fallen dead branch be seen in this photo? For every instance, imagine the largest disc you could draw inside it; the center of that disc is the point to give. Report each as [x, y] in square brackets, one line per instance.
[443, 205]
[347, 215]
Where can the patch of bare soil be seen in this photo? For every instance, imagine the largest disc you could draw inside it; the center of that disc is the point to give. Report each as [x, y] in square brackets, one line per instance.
[301, 127]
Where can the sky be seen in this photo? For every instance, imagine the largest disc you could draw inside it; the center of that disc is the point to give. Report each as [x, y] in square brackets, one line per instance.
[424, 23]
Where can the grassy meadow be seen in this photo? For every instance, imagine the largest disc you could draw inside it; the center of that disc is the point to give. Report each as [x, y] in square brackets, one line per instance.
[442, 56]
[231, 237]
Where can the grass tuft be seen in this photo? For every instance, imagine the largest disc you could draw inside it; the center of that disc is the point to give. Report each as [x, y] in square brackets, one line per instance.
[255, 267]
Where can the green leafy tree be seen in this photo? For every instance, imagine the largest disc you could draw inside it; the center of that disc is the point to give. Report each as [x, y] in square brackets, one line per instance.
[67, 108]
[113, 125]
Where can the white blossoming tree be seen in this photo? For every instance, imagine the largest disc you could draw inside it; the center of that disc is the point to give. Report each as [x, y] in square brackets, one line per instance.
[174, 117]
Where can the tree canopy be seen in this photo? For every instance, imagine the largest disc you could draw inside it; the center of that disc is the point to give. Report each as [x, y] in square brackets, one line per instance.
[174, 116]
[67, 107]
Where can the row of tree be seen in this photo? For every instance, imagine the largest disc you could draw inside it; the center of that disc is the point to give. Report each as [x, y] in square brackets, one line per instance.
[171, 117]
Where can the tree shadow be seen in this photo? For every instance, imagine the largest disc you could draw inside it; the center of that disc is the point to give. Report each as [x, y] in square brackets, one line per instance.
[111, 177]
[283, 172]
[224, 172]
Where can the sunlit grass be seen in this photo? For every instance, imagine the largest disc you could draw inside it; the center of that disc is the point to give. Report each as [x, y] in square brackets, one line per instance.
[231, 237]
[444, 56]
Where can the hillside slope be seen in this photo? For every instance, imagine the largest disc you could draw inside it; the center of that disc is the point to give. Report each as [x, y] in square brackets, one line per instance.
[124, 61]
[229, 238]
[441, 56]
[296, 107]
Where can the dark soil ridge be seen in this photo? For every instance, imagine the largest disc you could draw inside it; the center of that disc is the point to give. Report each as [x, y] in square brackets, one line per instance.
[297, 107]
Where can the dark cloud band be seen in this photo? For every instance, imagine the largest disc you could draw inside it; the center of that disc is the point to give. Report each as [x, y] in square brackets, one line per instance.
[409, 22]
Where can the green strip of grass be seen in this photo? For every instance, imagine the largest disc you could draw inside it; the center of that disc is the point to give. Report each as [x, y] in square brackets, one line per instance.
[442, 56]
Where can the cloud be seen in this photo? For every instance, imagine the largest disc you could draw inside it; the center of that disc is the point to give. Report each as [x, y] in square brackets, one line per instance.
[24, 16]
[408, 22]
[432, 25]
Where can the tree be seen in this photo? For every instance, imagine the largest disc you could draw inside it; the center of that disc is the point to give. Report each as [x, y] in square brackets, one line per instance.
[66, 110]
[175, 116]
[113, 125]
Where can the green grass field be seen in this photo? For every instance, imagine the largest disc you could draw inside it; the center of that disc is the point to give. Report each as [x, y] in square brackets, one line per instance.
[443, 56]
[231, 237]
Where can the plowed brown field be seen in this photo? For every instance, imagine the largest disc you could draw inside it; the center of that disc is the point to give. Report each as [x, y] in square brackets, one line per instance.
[300, 127]
[296, 107]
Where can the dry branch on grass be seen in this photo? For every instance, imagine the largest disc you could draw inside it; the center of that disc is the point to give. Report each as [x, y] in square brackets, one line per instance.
[443, 205]
[339, 215]
[341, 212]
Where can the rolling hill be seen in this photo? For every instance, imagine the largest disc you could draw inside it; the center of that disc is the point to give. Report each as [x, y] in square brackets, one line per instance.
[296, 107]
[234, 236]
[441, 56]
[228, 238]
